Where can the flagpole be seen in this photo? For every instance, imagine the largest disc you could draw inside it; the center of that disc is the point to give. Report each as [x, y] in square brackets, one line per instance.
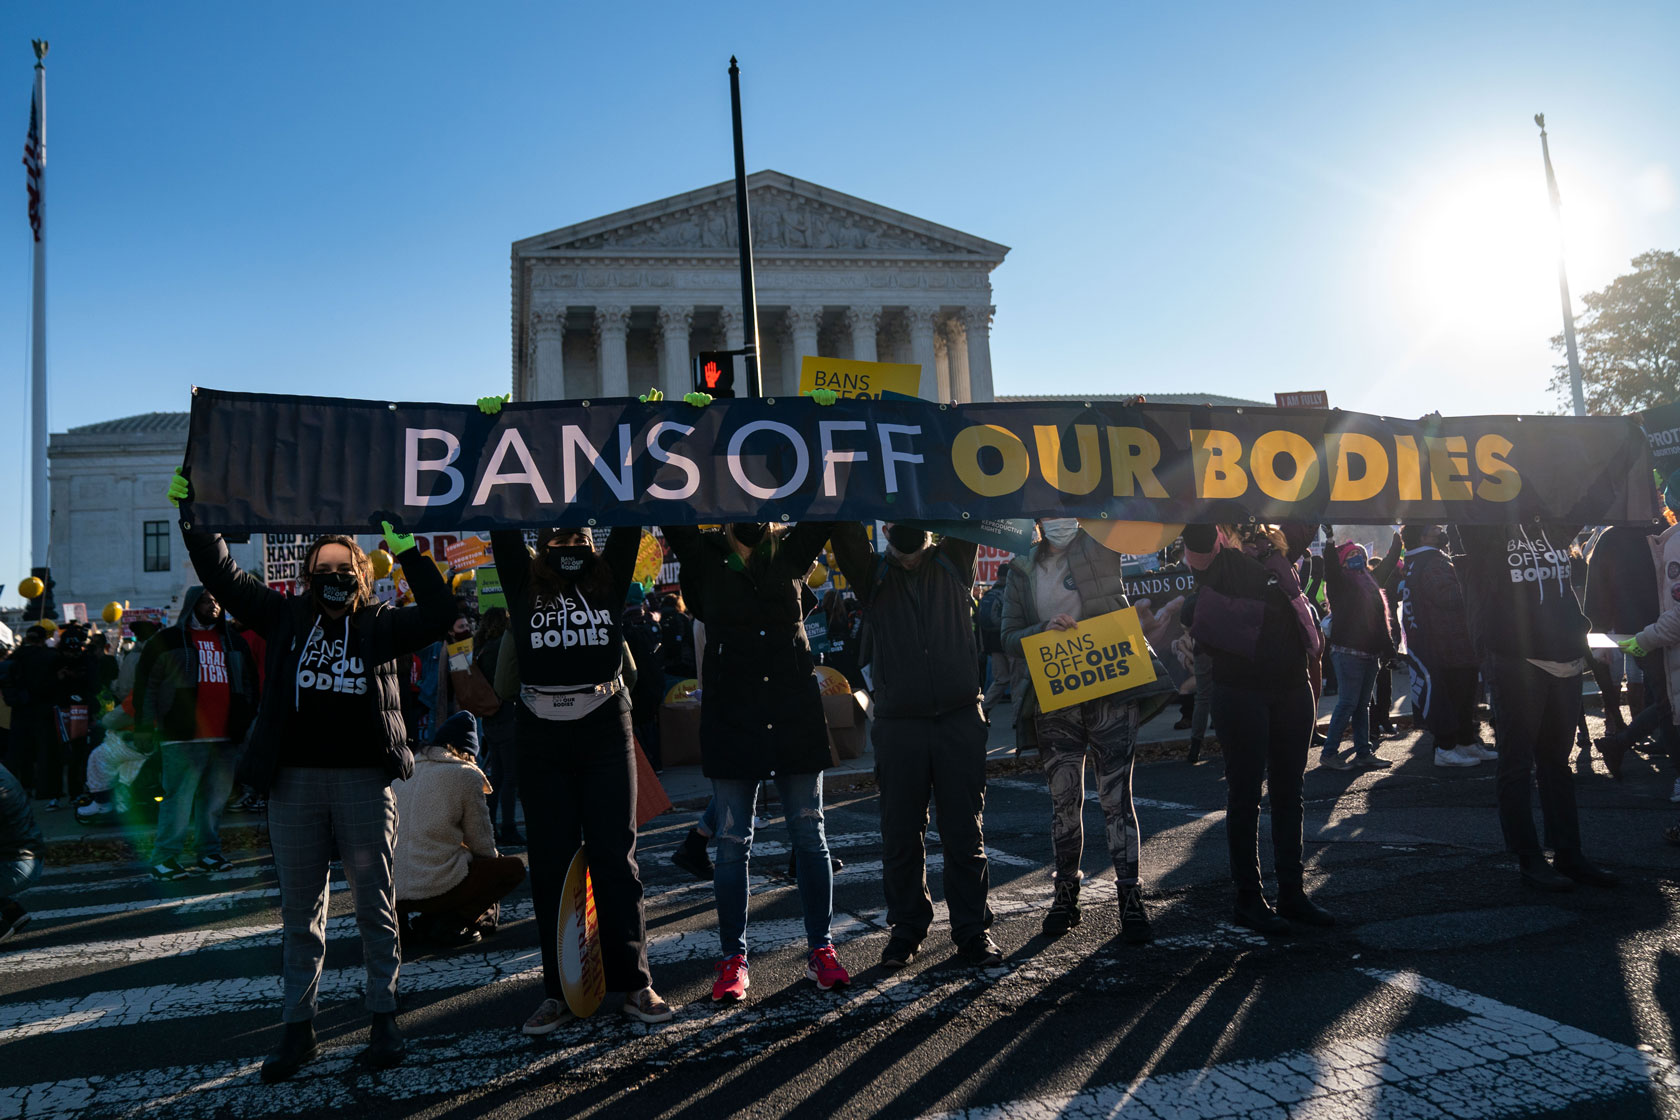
[40, 500]
[1575, 387]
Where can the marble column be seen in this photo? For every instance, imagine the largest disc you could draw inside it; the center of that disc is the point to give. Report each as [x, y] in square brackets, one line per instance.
[922, 322]
[956, 358]
[978, 326]
[548, 329]
[674, 365]
[803, 322]
[863, 322]
[733, 328]
[612, 336]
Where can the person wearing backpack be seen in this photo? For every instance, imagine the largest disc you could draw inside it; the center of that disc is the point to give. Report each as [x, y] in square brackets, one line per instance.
[929, 733]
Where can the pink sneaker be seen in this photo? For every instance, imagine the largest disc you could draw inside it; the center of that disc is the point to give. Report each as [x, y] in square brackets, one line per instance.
[732, 982]
[824, 967]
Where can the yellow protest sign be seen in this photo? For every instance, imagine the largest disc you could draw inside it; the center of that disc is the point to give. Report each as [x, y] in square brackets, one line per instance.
[1099, 657]
[859, 379]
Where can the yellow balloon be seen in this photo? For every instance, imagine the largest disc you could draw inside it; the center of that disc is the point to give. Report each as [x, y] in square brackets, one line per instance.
[31, 587]
[381, 561]
[112, 613]
[818, 576]
[48, 625]
[1133, 538]
[463, 577]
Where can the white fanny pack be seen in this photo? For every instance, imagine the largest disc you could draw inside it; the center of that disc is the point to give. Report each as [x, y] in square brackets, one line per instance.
[568, 702]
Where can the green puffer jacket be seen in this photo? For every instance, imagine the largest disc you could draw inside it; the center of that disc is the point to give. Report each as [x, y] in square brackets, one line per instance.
[1102, 590]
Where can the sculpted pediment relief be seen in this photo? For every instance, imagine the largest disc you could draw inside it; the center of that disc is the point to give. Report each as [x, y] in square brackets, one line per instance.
[782, 220]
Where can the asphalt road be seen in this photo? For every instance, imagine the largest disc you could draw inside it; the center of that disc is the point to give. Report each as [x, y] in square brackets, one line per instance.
[1447, 990]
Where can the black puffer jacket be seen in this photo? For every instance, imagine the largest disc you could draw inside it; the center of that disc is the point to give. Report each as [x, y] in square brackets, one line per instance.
[760, 712]
[284, 621]
[1437, 626]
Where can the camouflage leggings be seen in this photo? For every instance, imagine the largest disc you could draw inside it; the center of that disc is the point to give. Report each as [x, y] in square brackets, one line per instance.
[1106, 729]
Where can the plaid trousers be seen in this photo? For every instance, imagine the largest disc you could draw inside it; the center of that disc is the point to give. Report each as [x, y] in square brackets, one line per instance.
[313, 814]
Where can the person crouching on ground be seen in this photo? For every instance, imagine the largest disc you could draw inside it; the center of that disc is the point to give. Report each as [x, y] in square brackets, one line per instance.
[447, 866]
[329, 738]
[1253, 620]
[1066, 578]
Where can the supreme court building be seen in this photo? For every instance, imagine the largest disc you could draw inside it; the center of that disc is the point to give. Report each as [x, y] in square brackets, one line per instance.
[611, 306]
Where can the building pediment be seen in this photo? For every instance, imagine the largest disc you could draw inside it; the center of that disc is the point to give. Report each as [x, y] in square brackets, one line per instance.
[789, 216]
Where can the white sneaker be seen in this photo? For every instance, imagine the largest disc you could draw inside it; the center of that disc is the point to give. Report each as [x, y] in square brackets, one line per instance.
[1675, 796]
[1458, 756]
[1480, 751]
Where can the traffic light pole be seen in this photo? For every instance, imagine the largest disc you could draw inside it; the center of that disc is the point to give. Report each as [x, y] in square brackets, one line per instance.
[743, 225]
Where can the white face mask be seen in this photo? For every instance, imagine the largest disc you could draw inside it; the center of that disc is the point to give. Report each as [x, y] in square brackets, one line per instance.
[1060, 531]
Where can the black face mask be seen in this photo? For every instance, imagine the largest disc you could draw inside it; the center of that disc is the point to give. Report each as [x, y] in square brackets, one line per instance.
[751, 533]
[567, 559]
[333, 589]
[907, 538]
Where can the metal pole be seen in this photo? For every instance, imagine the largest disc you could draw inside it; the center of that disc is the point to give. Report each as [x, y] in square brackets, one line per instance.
[743, 225]
[1575, 387]
[40, 499]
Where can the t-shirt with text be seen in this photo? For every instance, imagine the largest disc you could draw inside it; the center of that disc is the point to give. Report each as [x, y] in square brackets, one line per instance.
[214, 694]
[334, 723]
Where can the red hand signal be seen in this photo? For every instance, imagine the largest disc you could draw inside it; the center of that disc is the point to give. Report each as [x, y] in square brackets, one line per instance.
[711, 373]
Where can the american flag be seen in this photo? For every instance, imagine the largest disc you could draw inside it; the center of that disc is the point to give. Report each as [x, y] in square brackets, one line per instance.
[32, 164]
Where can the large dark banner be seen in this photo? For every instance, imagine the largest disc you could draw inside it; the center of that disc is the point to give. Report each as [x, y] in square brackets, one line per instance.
[1662, 432]
[262, 462]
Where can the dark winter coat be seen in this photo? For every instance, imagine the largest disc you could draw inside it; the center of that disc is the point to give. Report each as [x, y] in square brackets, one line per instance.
[1360, 618]
[918, 624]
[1519, 590]
[166, 681]
[1437, 628]
[761, 712]
[1622, 584]
[284, 621]
[1249, 615]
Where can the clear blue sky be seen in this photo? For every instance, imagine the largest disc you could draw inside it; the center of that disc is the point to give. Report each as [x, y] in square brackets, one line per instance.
[1237, 198]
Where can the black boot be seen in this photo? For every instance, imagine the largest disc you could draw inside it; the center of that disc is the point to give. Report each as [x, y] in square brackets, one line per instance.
[1253, 912]
[692, 857]
[1614, 748]
[1538, 874]
[1195, 751]
[385, 1042]
[1064, 912]
[1574, 866]
[1294, 905]
[297, 1046]
[1134, 919]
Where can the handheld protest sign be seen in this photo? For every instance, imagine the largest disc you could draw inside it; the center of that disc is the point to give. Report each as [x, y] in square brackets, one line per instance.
[583, 976]
[851, 378]
[650, 557]
[1099, 657]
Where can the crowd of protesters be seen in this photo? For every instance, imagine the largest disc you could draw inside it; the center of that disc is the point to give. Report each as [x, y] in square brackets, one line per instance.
[356, 726]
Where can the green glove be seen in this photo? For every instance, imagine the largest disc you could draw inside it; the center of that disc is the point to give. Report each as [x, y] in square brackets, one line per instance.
[1631, 646]
[650, 396]
[399, 543]
[823, 396]
[492, 405]
[179, 489]
[698, 400]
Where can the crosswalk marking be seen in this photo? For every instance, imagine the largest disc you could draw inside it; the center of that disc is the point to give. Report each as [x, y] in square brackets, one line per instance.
[1479, 1066]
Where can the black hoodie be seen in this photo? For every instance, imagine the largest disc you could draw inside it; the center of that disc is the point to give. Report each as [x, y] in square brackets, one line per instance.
[1519, 592]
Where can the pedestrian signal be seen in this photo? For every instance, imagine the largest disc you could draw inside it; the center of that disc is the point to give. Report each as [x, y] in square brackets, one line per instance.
[714, 373]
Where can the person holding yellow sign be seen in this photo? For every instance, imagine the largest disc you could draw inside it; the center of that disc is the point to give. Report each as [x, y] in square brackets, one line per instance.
[1068, 578]
[1250, 615]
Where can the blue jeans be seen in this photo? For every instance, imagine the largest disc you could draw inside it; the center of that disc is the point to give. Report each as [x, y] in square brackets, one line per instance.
[197, 778]
[16, 874]
[735, 801]
[1356, 679]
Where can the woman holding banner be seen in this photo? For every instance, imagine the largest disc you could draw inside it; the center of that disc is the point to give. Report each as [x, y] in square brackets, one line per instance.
[328, 740]
[1067, 578]
[1259, 632]
[761, 719]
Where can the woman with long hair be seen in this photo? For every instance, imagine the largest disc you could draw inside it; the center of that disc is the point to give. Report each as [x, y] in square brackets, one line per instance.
[575, 750]
[328, 740]
[1069, 577]
[761, 718]
[1251, 617]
